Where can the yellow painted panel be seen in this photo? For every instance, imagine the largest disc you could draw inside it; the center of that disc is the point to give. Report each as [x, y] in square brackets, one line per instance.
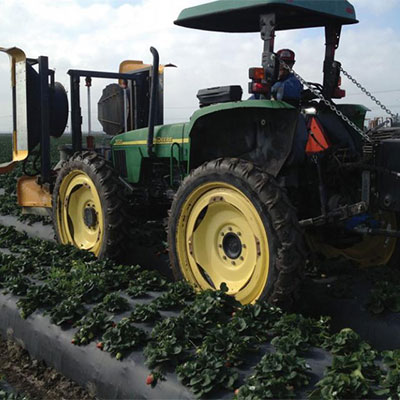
[30, 194]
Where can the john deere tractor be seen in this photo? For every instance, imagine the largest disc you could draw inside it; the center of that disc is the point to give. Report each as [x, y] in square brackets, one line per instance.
[250, 187]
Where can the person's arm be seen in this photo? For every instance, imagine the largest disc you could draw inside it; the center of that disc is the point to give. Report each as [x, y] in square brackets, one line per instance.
[292, 88]
[278, 91]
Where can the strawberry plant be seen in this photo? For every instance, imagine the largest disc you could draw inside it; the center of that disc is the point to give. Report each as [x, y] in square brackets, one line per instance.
[68, 311]
[390, 381]
[11, 396]
[293, 342]
[346, 342]
[17, 285]
[353, 373]
[37, 296]
[122, 338]
[177, 295]
[207, 372]
[117, 277]
[113, 302]
[229, 344]
[169, 343]
[277, 376]
[136, 291]
[385, 296]
[352, 376]
[211, 308]
[146, 281]
[303, 331]
[145, 313]
[17, 266]
[91, 326]
[10, 237]
[256, 320]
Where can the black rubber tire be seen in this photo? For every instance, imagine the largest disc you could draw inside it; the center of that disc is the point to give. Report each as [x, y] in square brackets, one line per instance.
[114, 204]
[394, 261]
[285, 238]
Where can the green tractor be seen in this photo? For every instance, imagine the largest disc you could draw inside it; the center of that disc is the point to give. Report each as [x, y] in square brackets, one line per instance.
[250, 187]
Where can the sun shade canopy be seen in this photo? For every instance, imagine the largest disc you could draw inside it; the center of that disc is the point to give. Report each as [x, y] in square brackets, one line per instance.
[244, 15]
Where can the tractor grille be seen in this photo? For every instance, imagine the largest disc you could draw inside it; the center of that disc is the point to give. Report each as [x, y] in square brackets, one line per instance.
[120, 162]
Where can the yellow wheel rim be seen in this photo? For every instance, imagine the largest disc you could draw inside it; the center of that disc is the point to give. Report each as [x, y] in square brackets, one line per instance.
[371, 251]
[220, 238]
[80, 216]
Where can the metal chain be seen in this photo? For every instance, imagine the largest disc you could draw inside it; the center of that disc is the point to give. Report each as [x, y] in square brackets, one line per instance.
[368, 94]
[327, 102]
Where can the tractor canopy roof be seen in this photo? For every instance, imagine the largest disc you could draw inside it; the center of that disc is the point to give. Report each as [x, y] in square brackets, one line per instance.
[244, 15]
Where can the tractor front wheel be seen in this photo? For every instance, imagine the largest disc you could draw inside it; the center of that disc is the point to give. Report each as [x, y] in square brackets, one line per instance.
[88, 210]
[231, 223]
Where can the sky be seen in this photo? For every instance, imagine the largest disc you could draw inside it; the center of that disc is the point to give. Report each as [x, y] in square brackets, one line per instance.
[99, 34]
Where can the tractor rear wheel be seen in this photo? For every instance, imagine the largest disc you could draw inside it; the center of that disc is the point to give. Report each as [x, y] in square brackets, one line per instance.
[231, 223]
[89, 211]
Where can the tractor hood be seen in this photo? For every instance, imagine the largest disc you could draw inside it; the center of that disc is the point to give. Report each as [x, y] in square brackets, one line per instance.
[244, 15]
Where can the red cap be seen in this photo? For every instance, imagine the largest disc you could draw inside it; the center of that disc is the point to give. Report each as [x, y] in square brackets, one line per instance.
[286, 55]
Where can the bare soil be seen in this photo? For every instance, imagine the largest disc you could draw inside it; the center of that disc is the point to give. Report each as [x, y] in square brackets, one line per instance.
[33, 378]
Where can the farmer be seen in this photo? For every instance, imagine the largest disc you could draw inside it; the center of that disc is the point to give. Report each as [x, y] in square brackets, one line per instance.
[288, 88]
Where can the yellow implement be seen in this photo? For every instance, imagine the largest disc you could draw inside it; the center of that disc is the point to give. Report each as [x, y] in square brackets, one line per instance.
[20, 128]
[31, 194]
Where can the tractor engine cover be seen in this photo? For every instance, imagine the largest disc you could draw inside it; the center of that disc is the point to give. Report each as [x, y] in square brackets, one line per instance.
[111, 109]
[389, 184]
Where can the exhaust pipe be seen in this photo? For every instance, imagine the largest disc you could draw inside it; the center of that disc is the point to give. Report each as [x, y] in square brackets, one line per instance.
[153, 100]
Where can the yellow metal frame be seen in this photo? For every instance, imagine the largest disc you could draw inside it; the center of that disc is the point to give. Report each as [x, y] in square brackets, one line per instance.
[18, 84]
[78, 192]
[199, 241]
[371, 251]
[128, 66]
[31, 194]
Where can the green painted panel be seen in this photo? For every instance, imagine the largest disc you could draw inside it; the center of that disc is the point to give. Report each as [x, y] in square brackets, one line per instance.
[355, 112]
[244, 15]
[271, 104]
[135, 145]
[176, 135]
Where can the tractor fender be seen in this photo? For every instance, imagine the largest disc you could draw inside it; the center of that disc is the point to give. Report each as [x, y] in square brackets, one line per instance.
[260, 131]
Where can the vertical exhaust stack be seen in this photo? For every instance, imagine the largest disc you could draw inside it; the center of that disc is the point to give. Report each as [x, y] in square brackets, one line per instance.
[153, 100]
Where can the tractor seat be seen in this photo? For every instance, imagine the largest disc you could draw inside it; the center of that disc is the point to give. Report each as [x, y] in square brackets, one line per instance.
[220, 94]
